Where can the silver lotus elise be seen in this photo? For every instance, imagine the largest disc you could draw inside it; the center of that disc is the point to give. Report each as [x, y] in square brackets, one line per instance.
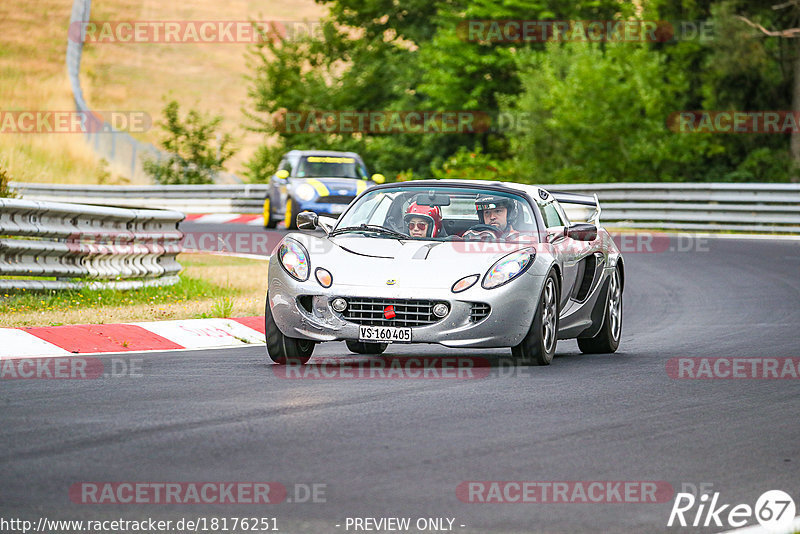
[456, 262]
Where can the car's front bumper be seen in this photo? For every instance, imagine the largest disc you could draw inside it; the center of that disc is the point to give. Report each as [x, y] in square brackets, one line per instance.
[321, 207]
[510, 317]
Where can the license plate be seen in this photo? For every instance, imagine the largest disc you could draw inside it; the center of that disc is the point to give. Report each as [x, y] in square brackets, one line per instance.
[384, 334]
[337, 209]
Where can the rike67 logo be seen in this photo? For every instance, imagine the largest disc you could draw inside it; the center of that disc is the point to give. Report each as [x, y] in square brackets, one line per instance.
[774, 510]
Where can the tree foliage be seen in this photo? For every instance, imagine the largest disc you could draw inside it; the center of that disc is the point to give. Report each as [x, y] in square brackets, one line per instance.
[598, 115]
[598, 111]
[193, 154]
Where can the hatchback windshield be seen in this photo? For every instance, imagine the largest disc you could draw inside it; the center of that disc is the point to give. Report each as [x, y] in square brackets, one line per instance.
[330, 167]
[441, 213]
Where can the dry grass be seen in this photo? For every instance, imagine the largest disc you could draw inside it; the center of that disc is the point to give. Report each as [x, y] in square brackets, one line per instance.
[123, 76]
[242, 282]
[33, 77]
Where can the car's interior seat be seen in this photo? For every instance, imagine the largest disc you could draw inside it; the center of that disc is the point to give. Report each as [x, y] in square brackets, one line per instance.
[458, 226]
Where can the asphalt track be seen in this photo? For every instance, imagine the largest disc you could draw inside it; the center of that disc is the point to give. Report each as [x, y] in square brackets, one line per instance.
[400, 448]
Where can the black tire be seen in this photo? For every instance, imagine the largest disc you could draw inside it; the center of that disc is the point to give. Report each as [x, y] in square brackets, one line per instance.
[289, 216]
[606, 341]
[283, 349]
[539, 344]
[361, 347]
[270, 221]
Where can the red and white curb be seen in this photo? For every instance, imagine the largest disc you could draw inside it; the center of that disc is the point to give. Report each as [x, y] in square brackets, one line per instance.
[46, 341]
[226, 218]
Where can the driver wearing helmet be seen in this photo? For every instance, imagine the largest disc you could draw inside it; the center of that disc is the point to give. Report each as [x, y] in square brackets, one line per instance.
[497, 212]
[423, 221]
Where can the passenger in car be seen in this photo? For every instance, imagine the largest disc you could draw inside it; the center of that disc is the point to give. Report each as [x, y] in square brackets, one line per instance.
[423, 221]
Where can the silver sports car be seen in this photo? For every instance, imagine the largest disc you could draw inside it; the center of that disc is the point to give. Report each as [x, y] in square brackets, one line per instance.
[456, 262]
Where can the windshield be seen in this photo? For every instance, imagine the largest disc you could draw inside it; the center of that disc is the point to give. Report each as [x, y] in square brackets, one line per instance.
[442, 213]
[330, 167]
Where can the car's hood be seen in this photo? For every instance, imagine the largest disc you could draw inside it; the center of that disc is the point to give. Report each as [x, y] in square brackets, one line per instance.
[333, 186]
[356, 260]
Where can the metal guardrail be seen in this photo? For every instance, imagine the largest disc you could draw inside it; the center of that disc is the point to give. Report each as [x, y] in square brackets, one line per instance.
[748, 207]
[78, 246]
[745, 207]
[243, 198]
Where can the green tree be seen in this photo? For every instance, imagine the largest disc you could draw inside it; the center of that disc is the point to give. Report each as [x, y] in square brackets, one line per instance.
[734, 67]
[191, 157]
[598, 113]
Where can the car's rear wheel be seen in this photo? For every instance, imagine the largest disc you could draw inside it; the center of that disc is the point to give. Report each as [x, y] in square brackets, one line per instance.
[284, 349]
[539, 344]
[606, 340]
[269, 220]
[289, 219]
[360, 347]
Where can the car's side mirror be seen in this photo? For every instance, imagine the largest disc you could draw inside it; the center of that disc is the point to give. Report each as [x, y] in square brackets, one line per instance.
[282, 174]
[326, 222]
[582, 232]
[307, 220]
[378, 178]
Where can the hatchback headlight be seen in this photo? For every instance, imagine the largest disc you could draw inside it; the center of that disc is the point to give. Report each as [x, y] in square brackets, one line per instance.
[305, 192]
[507, 268]
[293, 257]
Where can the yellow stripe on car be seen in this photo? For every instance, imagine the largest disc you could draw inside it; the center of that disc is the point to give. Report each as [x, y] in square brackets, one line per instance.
[266, 211]
[319, 186]
[361, 187]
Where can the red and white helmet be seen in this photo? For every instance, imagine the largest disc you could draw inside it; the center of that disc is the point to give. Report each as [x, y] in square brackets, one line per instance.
[431, 214]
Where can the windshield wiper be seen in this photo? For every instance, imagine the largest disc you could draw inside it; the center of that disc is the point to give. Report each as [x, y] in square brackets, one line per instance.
[369, 228]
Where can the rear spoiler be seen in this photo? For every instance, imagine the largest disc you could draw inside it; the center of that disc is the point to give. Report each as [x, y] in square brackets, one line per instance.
[579, 208]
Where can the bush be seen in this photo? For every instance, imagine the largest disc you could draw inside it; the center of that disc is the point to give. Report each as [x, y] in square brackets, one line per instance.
[475, 165]
[597, 114]
[5, 177]
[191, 159]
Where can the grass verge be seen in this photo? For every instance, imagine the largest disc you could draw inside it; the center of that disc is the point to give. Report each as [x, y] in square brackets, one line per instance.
[210, 286]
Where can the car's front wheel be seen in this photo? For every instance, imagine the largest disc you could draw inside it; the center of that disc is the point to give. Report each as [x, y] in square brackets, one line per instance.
[269, 219]
[290, 219]
[539, 344]
[606, 340]
[284, 349]
[360, 347]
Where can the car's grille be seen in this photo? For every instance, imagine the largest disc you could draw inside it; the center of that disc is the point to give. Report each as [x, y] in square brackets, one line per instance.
[336, 199]
[408, 312]
[479, 311]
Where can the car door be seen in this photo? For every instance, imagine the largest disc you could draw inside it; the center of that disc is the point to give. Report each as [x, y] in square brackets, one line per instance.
[568, 253]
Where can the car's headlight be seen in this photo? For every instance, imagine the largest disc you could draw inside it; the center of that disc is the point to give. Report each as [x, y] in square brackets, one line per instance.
[507, 268]
[465, 283]
[324, 277]
[305, 192]
[293, 257]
